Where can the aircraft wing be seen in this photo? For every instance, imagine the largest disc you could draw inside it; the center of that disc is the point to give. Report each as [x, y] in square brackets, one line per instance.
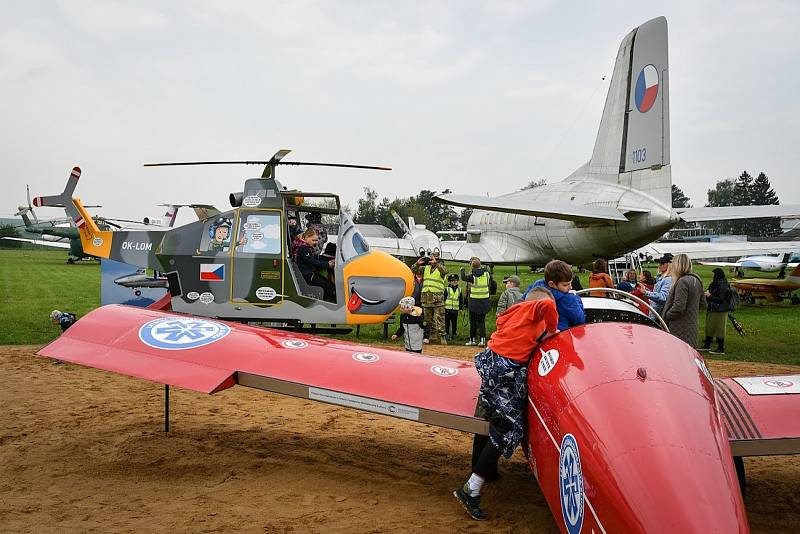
[567, 212]
[725, 213]
[396, 246]
[209, 356]
[54, 244]
[760, 414]
[721, 249]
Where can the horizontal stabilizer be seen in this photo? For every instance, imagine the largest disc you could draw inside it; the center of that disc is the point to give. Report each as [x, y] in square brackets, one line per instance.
[567, 212]
[724, 213]
[209, 355]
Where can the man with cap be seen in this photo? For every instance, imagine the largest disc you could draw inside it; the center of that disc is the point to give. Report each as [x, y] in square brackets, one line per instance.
[433, 276]
[510, 296]
[658, 296]
[453, 303]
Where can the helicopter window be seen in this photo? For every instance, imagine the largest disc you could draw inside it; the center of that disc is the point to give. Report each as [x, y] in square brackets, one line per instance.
[217, 234]
[352, 243]
[259, 233]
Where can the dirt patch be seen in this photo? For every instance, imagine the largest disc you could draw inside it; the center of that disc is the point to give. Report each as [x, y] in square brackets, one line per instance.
[83, 450]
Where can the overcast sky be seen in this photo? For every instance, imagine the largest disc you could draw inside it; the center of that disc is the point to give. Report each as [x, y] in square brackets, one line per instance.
[476, 97]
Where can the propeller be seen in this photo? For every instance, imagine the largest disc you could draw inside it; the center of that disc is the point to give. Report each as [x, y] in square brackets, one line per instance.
[400, 222]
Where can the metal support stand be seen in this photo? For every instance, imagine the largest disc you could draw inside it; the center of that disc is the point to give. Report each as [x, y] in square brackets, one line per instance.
[166, 407]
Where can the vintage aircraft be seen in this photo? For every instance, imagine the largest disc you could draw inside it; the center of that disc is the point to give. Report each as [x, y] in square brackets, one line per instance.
[236, 265]
[617, 202]
[767, 264]
[770, 289]
[627, 429]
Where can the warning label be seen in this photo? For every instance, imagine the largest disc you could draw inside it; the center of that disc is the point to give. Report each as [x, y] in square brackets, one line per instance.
[363, 403]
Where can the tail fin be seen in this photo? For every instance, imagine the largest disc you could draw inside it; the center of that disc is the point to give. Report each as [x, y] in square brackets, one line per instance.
[95, 241]
[634, 130]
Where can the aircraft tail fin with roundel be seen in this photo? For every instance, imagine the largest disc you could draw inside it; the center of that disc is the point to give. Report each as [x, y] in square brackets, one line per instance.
[632, 146]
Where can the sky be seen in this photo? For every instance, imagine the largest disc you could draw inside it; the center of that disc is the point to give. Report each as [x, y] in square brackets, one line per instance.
[476, 97]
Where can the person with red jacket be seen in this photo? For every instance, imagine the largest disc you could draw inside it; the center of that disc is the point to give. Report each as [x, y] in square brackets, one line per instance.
[503, 368]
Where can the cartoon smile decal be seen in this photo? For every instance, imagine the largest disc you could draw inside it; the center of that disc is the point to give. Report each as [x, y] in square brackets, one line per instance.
[373, 295]
[356, 300]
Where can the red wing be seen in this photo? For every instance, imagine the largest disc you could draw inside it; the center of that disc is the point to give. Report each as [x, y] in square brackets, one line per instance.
[208, 356]
[760, 414]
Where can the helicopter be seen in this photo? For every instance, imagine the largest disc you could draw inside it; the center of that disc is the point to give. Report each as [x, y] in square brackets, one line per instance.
[236, 265]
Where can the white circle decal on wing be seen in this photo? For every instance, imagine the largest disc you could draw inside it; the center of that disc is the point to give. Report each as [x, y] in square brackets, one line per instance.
[179, 333]
[294, 343]
[443, 370]
[366, 357]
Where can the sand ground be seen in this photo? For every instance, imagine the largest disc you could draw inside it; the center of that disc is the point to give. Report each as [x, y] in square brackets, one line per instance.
[83, 450]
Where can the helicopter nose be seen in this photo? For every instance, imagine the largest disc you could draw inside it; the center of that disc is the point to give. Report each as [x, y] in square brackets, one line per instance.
[374, 284]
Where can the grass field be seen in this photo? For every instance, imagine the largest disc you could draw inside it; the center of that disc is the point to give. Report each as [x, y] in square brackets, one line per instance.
[35, 282]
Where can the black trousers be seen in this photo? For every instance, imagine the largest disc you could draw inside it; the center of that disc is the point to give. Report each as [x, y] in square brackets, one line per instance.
[450, 319]
[477, 325]
[484, 457]
[328, 289]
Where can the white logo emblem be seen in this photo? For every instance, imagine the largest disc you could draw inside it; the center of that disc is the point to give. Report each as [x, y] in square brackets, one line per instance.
[571, 484]
[252, 201]
[192, 295]
[97, 241]
[442, 370]
[778, 383]
[178, 333]
[265, 293]
[206, 298]
[548, 361]
[294, 343]
[366, 357]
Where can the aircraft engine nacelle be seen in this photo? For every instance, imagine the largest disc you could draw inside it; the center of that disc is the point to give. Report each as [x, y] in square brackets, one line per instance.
[157, 221]
[236, 199]
[625, 434]
[423, 240]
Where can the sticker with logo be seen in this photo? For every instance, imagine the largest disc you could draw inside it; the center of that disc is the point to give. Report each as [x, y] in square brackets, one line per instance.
[192, 295]
[179, 333]
[443, 370]
[571, 484]
[548, 361]
[366, 357]
[206, 298]
[97, 241]
[294, 343]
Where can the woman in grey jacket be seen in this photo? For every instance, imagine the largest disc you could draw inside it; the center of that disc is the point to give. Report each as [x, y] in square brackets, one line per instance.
[681, 311]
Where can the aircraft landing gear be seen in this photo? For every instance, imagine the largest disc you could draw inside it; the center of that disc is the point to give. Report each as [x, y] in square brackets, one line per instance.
[738, 462]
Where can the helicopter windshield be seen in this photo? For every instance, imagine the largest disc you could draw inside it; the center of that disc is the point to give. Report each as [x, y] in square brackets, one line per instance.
[351, 242]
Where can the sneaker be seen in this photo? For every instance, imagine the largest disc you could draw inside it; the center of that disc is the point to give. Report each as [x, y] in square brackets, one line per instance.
[470, 343]
[471, 504]
[482, 342]
[444, 341]
[704, 349]
[717, 352]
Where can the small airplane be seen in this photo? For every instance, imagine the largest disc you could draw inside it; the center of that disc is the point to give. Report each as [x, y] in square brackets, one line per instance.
[142, 279]
[627, 429]
[620, 200]
[237, 265]
[769, 289]
[767, 264]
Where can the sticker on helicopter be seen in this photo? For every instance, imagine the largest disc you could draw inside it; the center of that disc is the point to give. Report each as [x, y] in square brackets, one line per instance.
[97, 241]
[192, 295]
[294, 343]
[265, 293]
[571, 484]
[252, 201]
[206, 298]
[179, 333]
[252, 225]
[548, 361]
[365, 357]
[445, 371]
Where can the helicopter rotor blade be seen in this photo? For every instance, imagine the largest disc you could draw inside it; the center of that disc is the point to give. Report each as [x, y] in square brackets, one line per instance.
[30, 208]
[271, 162]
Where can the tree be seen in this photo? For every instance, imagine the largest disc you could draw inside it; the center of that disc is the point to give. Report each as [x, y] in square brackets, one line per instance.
[743, 189]
[8, 230]
[466, 213]
[366, 210]
[762, 194]
[679, 199]
[534, 183]
[722, 195]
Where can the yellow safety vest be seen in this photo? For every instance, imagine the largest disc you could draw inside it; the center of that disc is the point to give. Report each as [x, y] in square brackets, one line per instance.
[432, 281]
[451, 302]
[480, 287]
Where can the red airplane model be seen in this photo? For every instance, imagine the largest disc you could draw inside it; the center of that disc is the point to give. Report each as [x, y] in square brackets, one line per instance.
[627, 430]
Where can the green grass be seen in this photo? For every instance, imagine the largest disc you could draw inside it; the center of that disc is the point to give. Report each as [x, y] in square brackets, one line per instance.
[35, 282]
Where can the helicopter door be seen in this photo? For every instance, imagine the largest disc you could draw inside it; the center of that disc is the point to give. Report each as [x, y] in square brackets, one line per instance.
[258, 257]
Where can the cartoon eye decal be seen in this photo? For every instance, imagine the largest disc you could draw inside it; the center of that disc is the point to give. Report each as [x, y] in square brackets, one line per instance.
[359, 243]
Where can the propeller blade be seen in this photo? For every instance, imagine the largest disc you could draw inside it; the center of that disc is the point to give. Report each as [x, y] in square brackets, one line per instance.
[276, 162]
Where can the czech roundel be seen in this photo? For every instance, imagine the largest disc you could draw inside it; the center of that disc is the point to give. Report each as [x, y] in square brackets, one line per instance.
[646, 88]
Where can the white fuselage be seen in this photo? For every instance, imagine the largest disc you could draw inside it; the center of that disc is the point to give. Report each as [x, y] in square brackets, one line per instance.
[537, 240]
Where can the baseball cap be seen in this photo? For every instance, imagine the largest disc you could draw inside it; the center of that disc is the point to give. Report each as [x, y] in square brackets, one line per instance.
[513, 278]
